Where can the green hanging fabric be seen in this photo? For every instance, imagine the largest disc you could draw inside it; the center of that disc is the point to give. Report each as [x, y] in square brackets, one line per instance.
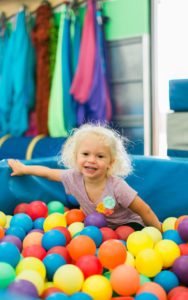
[56, 124]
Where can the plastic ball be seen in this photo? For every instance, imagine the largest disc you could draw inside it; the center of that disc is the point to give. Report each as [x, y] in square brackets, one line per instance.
[37, 209]
[180, 268]
[153, 288]
[16, 231]
[169, 251]
[75, 215]
[20, 208]
[2, 232]
[75, 228]
[35, 250]
[124, 231]
[173, 235]
[3, 219]
[9, 253]
[32, 238]
[65, 232]
[80, 296]
[167, 279]
[176, 292]
[146, 296]
[57, 296]
[94, 233]
[38, 223]
[95, 219]
[148, 262]
[7, 225]
[108, 234]
[181, 296]
[183, 229]
[22, 220]
[62, 251]
[31, 263]
[138, 241]
[52, 262]
[144, 279]
[14, 240]
[89, 265]
[54, 220]
[69, 278]
[51, 290]
[125, 280]
[53, 238]
[181, 218]
[183, 249]
[81, 245]
[112, 253]
[130, 259]
[96, 286]
[169, 223]
[7, 275]
[34, 277]
[154, 233]
[24, 288]
[55, 207]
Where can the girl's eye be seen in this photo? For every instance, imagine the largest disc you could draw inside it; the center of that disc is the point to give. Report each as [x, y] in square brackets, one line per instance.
[100, 156]
[85, 153]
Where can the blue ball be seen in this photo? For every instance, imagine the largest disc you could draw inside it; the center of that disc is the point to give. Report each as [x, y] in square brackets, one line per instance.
[38, 223]
[173, 235]
[9, 253]
[57, 296]
[53, 238]
[16, 231]
[167, 279]
[52, 262]
[72, 201]
[146, 296]
[94, 233]
[80, 296]
[22, 220]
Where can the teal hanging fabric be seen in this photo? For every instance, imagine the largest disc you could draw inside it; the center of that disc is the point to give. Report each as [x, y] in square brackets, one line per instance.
[17, 84]
[3, 40]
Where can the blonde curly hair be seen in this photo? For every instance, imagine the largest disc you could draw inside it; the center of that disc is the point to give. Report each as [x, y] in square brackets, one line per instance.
[122, 164]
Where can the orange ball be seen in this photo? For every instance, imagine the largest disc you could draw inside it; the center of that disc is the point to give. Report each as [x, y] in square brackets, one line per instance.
[125, 280]
[33, 238]
[112, 253]
[179, 220]
[81, 245]
[2, 232]
[153, 288]
[74, 215]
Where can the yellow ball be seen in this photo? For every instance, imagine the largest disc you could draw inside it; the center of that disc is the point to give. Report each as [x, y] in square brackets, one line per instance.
[75, 227]
[138, 241]
[68, 278]
[54, 220]
[3, 219]
[169, 251]
[148, 262]
[154, 233]
[98, 287]
[169, 223]
[8, 219]
[31, 263]
[130, 259]
[34, 277]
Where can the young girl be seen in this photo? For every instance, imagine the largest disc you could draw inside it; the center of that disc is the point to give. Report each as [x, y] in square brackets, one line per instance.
[97, 161]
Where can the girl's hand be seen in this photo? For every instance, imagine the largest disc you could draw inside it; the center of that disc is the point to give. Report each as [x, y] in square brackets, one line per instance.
[17, 167]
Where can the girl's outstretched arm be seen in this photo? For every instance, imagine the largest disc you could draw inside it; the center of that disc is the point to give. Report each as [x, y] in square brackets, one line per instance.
[19, 169]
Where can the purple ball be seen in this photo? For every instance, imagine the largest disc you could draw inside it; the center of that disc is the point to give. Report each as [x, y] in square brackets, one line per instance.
[23, 287]
[14, 240]
[180, 268]
[95, 219]
[183, 229]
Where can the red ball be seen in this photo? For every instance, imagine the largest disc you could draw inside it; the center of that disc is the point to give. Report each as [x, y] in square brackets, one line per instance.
[62, 251]
[21, 208]
[74, 215]
[124, 231]
[176, 291]
[66, 233]
[89, 265]
[35, 251]
[49, 291]
[37, 209]
[122, 298]
[183, 249]
[108, 234]
[180, 296]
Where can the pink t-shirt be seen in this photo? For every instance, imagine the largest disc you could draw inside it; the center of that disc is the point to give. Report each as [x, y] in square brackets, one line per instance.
[116, 187]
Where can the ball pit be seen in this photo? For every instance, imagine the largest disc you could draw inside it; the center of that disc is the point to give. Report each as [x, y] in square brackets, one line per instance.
[61, 255]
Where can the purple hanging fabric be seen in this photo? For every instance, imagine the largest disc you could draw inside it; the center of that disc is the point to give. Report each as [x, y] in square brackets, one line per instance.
[82, 82]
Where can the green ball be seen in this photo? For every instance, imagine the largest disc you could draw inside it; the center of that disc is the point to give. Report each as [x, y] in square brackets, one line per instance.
[55, 206]
[7, 275]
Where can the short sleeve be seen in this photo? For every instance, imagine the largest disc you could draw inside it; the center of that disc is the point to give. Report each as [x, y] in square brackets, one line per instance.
[67, 180]
[124, 193]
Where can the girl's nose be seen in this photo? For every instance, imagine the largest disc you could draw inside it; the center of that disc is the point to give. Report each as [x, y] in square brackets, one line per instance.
[91, 158]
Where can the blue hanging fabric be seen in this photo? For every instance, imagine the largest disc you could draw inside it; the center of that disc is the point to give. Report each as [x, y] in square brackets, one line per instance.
[69, 107]
[17, 84]
[76, 42]
[4, 35]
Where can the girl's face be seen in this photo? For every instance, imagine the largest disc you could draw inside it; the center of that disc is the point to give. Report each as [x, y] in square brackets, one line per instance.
[93, 157]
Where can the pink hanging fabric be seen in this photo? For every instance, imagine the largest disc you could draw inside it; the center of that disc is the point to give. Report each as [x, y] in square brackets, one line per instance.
[82, 82]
